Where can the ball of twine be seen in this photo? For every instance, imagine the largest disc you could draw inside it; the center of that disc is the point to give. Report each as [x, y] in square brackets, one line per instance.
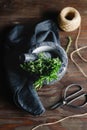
[69, 19]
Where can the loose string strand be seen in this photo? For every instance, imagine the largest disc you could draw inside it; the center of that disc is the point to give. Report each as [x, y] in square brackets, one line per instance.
[80, 69]
[79, 54]
[76, 45]
[58, 121]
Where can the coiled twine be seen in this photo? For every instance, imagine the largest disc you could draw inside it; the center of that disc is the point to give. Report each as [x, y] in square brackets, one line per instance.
[69, 19]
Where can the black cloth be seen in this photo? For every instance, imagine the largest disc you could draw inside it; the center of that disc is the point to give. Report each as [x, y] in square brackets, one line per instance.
[18, 42]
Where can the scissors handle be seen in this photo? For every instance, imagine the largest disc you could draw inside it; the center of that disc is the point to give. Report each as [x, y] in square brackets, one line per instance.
[75, 92]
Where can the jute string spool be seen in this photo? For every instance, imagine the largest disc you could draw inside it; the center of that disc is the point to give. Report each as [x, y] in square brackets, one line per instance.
[69, 19]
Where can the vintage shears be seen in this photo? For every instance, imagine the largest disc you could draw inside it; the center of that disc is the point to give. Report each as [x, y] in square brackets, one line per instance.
[76, 95]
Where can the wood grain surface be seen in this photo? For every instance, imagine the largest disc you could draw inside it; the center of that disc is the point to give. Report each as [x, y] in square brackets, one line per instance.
[33, 11]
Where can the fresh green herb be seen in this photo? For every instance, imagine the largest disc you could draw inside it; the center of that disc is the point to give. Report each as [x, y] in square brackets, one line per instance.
[69, 43]
[44, 68]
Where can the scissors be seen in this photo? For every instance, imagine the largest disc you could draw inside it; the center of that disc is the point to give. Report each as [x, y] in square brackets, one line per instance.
[68, 99]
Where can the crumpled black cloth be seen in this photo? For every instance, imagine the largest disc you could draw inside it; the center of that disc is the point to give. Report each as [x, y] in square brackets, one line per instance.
[18, 42]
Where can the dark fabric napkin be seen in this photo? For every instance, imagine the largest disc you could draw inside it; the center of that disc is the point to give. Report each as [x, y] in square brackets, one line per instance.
[17, 43]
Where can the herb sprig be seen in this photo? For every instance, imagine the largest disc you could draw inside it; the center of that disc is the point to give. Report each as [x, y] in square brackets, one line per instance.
[46, 69]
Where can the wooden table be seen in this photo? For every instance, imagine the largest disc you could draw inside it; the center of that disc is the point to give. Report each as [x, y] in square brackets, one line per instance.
[29, 11]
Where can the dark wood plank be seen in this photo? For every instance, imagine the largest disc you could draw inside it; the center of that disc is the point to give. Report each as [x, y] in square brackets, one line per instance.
[11, 117]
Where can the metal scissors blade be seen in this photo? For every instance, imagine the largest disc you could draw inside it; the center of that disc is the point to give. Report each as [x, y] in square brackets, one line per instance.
[68, 99]
[58, 104]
